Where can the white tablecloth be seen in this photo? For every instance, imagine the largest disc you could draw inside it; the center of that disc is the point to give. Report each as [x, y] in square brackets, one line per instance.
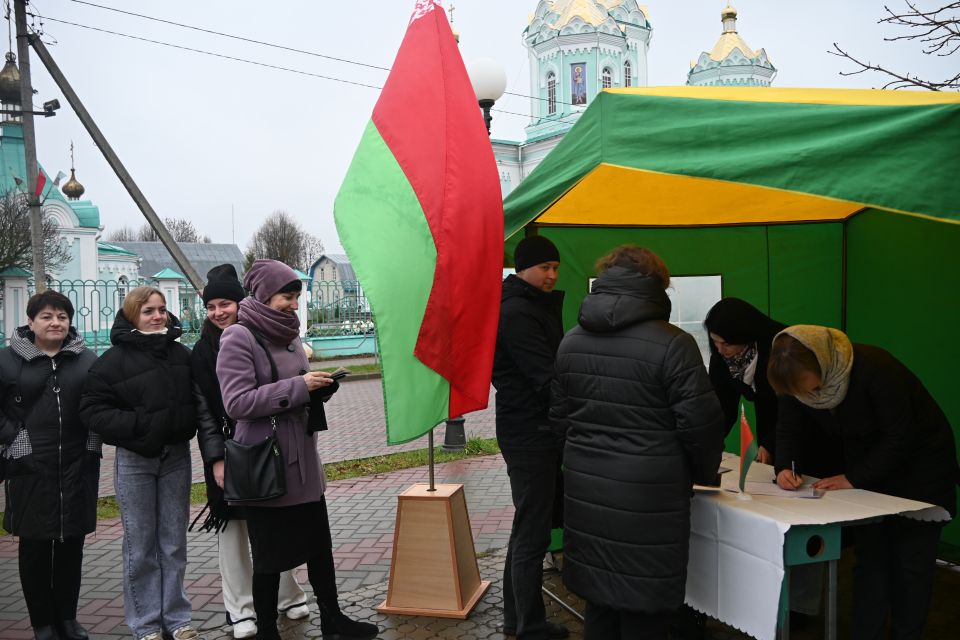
[736, 546]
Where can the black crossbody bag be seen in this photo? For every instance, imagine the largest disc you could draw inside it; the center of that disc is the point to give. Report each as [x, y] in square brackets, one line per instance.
[255, 472]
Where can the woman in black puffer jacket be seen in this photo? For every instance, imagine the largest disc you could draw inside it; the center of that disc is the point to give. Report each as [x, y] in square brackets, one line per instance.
[139, 397]
[642, 425]
[52, 462]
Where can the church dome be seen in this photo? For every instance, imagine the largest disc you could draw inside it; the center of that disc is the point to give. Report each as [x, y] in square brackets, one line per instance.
[728, 12]
[10, 80]
[73, 189]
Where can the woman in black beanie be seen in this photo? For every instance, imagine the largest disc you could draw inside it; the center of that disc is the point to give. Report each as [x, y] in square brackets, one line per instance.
[740, 341]
[221, 298]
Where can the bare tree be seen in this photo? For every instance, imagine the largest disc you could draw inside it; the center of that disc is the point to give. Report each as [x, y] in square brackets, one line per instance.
[123, 234]
[15, 246]
[181, 229]
[281, 238]
[939, 32]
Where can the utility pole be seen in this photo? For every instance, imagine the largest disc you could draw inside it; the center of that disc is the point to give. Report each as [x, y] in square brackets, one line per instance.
[30, 146]
[112, 159]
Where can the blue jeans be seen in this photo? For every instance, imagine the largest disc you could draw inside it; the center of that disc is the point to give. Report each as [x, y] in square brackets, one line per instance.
[154, 499]
[533, 483]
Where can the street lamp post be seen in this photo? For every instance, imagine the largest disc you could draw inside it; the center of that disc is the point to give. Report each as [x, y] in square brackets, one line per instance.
[489, 82]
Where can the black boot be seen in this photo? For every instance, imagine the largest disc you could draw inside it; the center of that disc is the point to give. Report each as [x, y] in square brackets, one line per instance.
[336, 626]
[71, 630]
[48, 632]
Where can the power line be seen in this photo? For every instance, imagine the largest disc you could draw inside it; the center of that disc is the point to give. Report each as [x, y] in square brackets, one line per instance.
[274, 45]
[261, 64]
[230, 35]
[214, 54]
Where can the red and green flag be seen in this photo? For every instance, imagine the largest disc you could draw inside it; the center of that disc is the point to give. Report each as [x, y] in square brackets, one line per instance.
[748, 447]
[421, 218]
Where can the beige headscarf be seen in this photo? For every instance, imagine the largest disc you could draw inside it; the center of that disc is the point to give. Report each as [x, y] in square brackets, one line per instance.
[834, 353]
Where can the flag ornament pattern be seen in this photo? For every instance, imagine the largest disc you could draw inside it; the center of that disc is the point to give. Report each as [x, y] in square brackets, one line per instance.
[421, 217]
[748, 447]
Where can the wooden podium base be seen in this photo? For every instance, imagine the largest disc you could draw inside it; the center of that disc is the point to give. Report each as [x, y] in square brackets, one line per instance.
[434, 567]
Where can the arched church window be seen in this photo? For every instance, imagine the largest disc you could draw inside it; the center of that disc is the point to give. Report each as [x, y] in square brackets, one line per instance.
[607, 78]
[551, 93]
[122, 284]
[627, 74]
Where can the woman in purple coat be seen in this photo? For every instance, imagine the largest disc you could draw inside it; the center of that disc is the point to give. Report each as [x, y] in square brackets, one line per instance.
[293, 529]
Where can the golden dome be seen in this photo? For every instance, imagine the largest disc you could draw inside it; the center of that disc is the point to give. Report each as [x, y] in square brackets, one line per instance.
[73, 189]
[728, 12]
[10, 80]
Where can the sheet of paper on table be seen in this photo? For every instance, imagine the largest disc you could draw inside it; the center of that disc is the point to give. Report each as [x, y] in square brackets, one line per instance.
[770, 489]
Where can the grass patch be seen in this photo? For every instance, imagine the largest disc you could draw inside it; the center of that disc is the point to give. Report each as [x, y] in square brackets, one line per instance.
[407, 460]
[107, 507]
[356, 368]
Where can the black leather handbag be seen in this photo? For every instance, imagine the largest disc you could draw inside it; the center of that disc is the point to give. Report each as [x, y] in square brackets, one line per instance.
[254, 472]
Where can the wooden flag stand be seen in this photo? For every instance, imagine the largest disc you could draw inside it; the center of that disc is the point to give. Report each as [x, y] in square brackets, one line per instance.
[434, 568]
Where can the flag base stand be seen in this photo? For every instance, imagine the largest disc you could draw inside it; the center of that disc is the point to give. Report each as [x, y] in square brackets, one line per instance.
[434, 568]
[746, 497]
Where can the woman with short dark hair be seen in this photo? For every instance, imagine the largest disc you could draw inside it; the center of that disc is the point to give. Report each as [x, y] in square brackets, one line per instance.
[895, 439]
[642, 424]
[52, 462]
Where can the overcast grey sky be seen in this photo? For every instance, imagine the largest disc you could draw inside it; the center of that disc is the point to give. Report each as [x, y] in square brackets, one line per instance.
[204, 135]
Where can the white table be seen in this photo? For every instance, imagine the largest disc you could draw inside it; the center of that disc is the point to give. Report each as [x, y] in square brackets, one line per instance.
[741, 550]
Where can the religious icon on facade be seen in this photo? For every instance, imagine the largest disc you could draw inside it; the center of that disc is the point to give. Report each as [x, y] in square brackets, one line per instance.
[578, 83]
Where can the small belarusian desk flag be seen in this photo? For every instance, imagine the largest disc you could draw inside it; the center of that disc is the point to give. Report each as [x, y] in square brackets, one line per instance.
[748, 447]
[420, 215]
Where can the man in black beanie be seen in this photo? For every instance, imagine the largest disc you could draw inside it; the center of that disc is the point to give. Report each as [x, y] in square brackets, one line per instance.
[531, 327]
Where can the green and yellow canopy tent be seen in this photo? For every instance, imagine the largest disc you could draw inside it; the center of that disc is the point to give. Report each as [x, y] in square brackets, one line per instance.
[833, 207]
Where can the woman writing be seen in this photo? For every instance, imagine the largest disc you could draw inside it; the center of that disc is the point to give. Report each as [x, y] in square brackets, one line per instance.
[895, 439]
[53, 465]
[221, 298]
[740, 341]
[265, 379]
[139, 397]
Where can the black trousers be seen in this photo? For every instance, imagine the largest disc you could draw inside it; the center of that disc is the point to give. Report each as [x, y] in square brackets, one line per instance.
[533, 477]
[323, 578]
[50, 578]
[896, 561]
[601, 623]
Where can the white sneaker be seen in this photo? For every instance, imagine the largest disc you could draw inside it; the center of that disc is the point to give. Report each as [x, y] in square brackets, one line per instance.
[152, 636]
[244, 629]
[299, 612]
[186, 633]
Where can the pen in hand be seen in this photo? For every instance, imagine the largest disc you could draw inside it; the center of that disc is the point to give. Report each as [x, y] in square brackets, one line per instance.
[790, 481]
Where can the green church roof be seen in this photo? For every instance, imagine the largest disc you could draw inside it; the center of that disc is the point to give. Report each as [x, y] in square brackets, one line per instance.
[104, 248]
[168, 274]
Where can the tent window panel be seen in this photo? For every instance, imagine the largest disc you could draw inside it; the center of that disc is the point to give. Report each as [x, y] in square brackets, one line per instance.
[691, 297]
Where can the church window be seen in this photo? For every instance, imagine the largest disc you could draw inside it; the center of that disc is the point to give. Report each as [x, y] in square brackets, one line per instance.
[551, 93]
[607, 78]
[627, 74]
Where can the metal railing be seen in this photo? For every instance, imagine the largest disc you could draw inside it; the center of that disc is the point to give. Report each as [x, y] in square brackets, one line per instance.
[333, 308]
[338, 308]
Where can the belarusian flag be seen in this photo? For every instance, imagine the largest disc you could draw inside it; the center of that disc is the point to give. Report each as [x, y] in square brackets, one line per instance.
[421, 217]
[748, 447]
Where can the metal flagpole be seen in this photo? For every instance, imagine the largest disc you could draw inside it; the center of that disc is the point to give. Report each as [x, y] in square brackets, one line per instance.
[433, 486]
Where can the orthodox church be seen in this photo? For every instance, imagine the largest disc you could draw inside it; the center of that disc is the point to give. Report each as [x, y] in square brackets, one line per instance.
[731, 62]
[578, 48]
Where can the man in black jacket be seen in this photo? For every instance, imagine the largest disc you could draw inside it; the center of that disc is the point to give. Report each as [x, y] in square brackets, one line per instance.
[531, 327]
